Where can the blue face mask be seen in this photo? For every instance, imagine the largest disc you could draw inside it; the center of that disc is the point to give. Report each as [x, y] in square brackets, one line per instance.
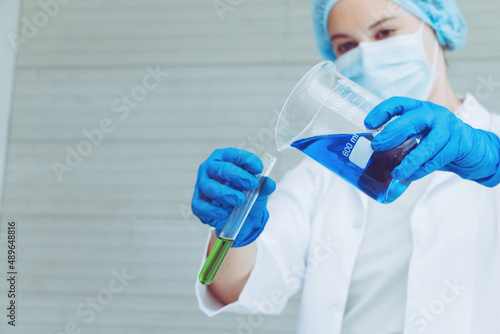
[395, 66]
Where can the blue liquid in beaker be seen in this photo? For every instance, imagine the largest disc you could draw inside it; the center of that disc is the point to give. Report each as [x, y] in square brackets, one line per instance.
[373, 175]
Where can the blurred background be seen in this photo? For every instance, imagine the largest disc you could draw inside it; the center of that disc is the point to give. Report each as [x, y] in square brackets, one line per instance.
[115, 104]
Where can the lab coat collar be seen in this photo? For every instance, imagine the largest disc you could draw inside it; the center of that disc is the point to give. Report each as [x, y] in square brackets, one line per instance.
[473, 113]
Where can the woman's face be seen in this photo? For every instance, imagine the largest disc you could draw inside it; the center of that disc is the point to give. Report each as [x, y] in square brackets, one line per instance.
[351, 22]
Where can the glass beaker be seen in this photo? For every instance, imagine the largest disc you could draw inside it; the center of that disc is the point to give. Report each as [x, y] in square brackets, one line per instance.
[324, 118]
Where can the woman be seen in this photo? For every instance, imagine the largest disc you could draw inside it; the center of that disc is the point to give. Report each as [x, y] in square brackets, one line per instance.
[430, 261]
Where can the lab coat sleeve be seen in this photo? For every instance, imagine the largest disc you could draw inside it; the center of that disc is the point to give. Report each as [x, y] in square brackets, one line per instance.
[281, 249]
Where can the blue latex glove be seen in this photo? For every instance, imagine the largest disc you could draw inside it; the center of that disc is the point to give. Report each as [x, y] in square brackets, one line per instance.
[449, 144]
[221, 180]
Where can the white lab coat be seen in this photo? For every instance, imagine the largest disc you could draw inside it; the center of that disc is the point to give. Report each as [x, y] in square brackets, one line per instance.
[316, 226]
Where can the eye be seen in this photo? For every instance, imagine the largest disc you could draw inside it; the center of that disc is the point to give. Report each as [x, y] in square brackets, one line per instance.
[345, 47]
[384, 33]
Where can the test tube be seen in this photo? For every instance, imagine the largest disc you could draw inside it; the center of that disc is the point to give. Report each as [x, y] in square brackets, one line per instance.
[233, 225]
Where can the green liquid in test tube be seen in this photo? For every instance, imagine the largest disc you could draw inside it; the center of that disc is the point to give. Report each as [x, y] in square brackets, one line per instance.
[233, 225]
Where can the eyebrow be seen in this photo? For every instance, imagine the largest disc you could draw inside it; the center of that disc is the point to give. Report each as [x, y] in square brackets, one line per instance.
[379, 22]
[334, 37]
[371, 27]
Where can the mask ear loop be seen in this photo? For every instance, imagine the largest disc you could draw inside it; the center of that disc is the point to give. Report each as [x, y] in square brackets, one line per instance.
[421, 29]
[436, 45]
[436, 51]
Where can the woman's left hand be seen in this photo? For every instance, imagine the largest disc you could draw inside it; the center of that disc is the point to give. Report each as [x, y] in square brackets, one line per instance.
[449, 144]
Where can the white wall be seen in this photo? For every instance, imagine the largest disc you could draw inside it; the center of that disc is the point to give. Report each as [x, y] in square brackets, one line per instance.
[9, 25]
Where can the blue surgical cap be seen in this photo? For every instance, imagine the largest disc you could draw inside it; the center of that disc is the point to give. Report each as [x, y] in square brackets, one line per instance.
[443, 16]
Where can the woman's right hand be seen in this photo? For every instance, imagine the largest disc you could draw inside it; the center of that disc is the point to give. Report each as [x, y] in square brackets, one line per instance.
[222, 178]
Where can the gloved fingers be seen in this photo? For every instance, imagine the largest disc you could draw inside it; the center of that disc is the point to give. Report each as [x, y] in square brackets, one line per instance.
[424, 170]
[218, 207]
[423, 154]
[207, 210]
[229, 172]
[388, 109]
[261, 202]
[258, 207]
[268, 187]
[439, 162]
[224, 194]
[402, 128]
[252, 229]
[244, 159]
[436, 163]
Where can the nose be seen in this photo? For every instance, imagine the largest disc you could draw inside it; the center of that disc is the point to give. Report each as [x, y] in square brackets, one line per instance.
[364, 37]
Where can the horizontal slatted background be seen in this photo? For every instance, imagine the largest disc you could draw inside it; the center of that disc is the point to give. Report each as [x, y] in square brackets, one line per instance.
[126, 205]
